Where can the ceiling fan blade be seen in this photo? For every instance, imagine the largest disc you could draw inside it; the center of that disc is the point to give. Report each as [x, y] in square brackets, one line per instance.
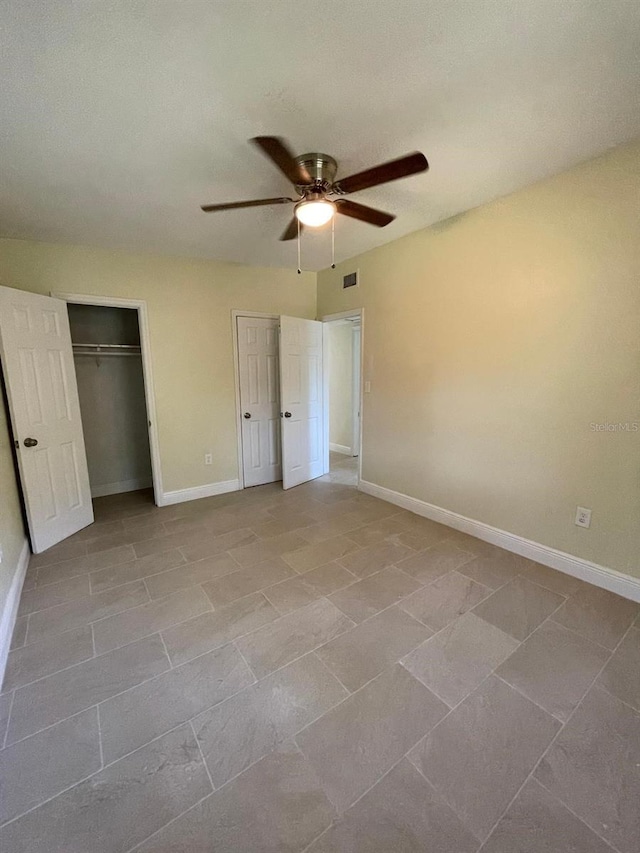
[234, 205]
[365, 214]
[277, 151]
[401, 168]
[291, 231]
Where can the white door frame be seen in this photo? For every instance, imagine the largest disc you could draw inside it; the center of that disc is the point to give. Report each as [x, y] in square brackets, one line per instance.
[235, 313]
[140, 306]
[354, 313]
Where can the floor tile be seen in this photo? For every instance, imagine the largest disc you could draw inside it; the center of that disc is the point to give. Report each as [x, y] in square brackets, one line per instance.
[519, 607]
[119, 806]
[134, 570]
[39, 659]
[296, 634]
[598, 615]
[209, 546]
[352, 745]
[360, 654]
[68, 549]
[378, 531]
[190, 574]
[133, 718]
[432, 563]
[401, 813]
[41, 597]
[312, 556]
[621, 676]
[593, 768]
[348, 522]
[156, 615]
[129, 536]
[538, 823]
[82, 565]
[556, 581]
[291, 594]
[457, 659]
[554, 668]
[265, 549]
[373, 558]
[251, 724]
[479, 756]
[274, 527]
[19, 632]
[329, 578]
[48, 623]
[211, 630]
[229, 587]
[59, 696]
[277, 806]
[44, 765]
[444, 600]
[492, 567]
[370, 595]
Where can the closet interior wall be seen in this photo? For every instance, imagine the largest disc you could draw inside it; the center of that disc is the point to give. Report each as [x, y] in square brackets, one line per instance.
[112, 398]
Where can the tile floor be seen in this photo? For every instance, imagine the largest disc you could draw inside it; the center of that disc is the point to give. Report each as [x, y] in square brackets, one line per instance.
[313, 670]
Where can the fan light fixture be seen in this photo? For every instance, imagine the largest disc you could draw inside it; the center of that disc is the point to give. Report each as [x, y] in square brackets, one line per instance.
[315, 213]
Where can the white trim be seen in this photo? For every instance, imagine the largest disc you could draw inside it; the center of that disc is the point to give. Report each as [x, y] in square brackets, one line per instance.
[147, 369]
[122, 486]
[329, 318]
[196, 492]
[601, 576]
[340, 448]
[10, 610]
[235, 313]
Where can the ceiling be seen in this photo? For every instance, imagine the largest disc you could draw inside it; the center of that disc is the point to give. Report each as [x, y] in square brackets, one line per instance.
[119, 118]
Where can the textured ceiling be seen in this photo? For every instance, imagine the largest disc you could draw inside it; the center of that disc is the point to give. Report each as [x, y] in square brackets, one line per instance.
[118, 118]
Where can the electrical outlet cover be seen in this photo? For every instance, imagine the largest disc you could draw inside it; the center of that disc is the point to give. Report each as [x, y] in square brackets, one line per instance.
[583, 517]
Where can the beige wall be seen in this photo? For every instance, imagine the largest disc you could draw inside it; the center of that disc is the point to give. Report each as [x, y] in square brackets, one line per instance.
[12, 533]
[340, 344]
[492, 343]
[189, 304]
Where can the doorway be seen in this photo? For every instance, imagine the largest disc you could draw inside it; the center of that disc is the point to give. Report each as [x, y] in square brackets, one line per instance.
[108, 365]
[342, 379]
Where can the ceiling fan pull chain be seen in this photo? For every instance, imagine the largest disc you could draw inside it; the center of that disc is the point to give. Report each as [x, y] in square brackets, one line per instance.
[333, 243]
[299, 269]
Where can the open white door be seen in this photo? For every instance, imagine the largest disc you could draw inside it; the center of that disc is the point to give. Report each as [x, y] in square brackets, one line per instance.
[301, 400]
[37, 360]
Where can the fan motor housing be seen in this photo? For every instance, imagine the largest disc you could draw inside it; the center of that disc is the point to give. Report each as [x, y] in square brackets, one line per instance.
[321, 168]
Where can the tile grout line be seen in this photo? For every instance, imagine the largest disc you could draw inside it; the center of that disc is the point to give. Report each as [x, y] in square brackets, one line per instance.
[247, 664]
[201, 754]
[100, 737]
[6, 734]
[549, 746]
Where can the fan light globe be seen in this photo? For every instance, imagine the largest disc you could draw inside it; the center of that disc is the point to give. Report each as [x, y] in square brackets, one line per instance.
[315, 213]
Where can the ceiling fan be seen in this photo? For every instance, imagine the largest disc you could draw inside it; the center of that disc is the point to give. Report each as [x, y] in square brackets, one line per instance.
[313, 175]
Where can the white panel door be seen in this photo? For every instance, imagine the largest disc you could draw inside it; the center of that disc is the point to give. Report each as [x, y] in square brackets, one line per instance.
[37, 360]
[301, 400]
[259, 399]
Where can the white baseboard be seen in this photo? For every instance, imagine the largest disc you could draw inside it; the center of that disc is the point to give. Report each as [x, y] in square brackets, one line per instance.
[601, 576]
[192, 494]
[340, 448]
[10, 610]
[118, 488]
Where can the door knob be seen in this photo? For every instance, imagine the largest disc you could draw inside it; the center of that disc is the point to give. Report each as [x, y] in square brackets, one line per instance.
[287, 414]
[247, 414]
[30, 442]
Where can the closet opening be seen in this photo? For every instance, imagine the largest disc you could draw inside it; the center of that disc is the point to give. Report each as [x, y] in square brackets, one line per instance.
[109, 368]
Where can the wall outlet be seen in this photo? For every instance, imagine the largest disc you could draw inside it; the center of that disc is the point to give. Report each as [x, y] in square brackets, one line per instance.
[367, 387]
[208, 458]
[583, 517]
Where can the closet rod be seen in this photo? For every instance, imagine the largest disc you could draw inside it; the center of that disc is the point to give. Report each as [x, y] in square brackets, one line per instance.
[108, 346]
[98, 354]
